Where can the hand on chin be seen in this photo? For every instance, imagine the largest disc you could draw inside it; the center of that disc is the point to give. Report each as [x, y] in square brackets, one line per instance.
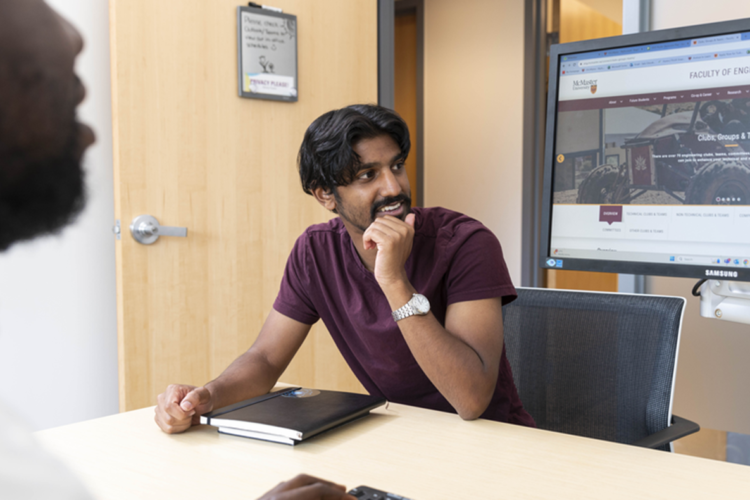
[393, 238]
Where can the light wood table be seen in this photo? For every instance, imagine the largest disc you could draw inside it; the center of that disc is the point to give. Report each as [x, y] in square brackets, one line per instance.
[421, 454]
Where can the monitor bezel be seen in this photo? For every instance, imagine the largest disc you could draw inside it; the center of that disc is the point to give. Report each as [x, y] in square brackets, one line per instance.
[611, 266]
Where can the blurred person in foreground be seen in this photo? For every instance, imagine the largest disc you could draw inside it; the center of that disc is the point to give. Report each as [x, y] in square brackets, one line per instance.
[42, 190]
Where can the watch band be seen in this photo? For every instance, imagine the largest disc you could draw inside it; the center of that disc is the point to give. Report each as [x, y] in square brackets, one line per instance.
[403, 312]
[417, 305]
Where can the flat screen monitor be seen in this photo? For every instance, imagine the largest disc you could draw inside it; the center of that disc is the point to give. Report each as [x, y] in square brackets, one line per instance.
[647, 154]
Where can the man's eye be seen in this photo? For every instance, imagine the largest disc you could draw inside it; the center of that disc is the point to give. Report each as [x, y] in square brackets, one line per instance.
[367, 174]
[398, 166]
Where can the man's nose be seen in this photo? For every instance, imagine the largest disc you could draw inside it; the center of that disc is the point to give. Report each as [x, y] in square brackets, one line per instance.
[72, 33]
[389, 186]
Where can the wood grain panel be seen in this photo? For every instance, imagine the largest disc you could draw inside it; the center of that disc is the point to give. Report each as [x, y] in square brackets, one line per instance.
[706, 443]
[405, 99]
[191, 153]
[582, 280]
[579, 22]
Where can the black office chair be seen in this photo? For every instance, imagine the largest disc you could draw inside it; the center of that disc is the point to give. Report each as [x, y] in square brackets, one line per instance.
[600, 365]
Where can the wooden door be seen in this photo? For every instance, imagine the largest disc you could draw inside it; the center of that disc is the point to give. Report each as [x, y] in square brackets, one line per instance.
[405, 90]
[190, 152]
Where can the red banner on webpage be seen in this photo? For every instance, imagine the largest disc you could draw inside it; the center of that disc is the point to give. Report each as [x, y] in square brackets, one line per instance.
[737, 92]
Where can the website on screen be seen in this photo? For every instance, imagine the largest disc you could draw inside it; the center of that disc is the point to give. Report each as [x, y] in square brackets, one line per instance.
[652, 153]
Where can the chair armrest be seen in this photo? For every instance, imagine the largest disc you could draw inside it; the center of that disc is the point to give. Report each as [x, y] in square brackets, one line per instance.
[680, 428]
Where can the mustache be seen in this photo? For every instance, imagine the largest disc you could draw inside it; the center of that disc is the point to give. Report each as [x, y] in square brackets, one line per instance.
[402, 198]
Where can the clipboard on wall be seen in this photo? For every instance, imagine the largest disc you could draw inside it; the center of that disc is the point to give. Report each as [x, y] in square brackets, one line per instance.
[266, 54]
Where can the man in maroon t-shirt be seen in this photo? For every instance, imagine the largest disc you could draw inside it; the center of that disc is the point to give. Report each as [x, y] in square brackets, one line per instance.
[412, 298]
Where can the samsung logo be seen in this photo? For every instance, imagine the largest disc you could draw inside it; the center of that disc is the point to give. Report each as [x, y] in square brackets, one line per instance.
[722, 274]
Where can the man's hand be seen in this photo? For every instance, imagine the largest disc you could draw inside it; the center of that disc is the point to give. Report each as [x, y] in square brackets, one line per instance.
[181, 406]
[252, 374]
[304, 487]
[393, 239]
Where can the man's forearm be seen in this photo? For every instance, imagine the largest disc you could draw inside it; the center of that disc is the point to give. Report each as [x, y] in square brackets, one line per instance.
[457, 370]
[248, 376]
[452, 366]
[464, 375]
[257, 370]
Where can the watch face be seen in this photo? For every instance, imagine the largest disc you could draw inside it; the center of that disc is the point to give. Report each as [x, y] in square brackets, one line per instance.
[420, 304]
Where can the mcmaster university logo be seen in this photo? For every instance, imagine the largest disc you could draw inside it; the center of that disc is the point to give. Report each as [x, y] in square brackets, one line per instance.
[590, 85]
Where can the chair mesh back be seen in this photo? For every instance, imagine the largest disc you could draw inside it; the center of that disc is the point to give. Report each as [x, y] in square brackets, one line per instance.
[594, 364]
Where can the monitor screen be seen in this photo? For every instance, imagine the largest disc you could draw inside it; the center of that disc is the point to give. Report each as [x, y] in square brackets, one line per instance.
[647, 154]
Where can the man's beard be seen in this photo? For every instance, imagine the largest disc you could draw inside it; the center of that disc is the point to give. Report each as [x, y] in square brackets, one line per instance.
[39, 197]
[358, 218]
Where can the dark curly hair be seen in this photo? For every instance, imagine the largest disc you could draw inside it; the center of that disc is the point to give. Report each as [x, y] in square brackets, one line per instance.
[327, 158]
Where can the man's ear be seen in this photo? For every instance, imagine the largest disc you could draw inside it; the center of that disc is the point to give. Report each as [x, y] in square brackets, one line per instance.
[326, 198]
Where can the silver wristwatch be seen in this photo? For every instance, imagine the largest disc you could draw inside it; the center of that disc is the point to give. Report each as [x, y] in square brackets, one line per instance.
[417, 305]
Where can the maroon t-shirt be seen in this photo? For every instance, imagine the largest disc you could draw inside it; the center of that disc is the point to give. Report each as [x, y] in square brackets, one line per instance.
[454, 258]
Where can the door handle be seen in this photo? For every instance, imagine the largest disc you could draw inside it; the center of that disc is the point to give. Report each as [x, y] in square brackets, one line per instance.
[146, 230]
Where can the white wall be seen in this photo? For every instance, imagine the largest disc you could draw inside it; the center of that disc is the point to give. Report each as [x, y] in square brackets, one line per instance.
[667, 14]
[473, 114]
[713, 372]
[58, 326]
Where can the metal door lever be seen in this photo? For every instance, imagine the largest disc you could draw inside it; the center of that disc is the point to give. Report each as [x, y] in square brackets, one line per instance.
[146, 230]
